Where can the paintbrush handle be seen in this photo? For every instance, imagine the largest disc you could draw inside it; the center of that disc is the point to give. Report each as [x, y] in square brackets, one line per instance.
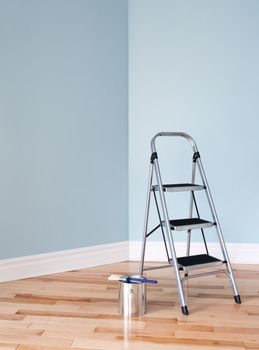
[143, 280]
[129, 279]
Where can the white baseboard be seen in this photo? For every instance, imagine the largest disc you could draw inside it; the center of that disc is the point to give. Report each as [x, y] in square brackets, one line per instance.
[239, 253]
[48, 263]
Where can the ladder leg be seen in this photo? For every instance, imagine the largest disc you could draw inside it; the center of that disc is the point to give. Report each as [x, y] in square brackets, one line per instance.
[172, 252]
[162, 229]
[228, 264]
[188, 248]
[220, 235]
[189, 232]
[236, 296]
[150, 178]
[202, 231]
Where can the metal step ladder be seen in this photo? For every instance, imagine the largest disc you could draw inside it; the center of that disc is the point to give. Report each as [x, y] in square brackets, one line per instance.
[184, 266]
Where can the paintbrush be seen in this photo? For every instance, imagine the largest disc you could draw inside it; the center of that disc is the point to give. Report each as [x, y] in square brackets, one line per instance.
[131, 279]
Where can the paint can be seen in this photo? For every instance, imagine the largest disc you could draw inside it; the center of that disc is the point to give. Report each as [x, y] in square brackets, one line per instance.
[132, 298]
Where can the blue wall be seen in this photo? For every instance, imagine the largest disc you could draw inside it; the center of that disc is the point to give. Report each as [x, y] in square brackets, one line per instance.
[193, 67]
[63, 124]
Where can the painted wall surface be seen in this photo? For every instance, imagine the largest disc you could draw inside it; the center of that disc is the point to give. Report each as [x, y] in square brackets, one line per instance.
[63, 124]
[193, 67]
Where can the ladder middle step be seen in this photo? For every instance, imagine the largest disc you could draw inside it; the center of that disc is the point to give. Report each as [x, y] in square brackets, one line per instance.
[189, 224]
[180, 187]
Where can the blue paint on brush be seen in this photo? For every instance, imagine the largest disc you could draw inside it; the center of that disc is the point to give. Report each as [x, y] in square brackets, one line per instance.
[129, 279]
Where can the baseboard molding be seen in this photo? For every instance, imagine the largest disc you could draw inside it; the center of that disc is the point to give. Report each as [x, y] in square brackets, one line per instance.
[239, 253]
[48, 263]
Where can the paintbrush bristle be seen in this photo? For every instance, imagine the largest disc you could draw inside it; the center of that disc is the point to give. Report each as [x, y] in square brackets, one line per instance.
[115, 277]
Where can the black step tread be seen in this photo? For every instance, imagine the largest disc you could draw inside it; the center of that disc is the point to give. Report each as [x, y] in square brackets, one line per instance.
[180, 187]
[198, 261]
[190, 223]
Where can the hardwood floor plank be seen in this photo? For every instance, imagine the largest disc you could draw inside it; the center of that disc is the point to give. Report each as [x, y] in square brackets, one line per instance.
[8, 346]
[33, 340]
[20, 331]
[43, 347]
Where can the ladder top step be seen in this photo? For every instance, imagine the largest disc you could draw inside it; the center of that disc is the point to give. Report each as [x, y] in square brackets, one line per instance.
[189, 224]
[180, 187]
[194, 262]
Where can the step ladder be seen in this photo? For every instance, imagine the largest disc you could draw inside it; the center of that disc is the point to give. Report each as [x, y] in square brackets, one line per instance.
[184, 266]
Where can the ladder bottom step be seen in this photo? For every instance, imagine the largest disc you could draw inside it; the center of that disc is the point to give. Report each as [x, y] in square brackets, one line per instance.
[194, 262]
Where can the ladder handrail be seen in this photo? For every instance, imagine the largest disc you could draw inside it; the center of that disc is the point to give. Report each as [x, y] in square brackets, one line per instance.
[177, 134]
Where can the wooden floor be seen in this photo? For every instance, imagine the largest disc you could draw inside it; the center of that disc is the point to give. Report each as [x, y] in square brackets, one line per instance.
[79, 310]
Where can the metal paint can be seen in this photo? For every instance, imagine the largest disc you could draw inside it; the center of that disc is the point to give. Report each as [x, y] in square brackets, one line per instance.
[132, 298]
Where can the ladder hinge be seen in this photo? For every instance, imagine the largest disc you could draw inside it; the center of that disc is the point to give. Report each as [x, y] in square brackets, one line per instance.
[153, 157]
[196, 155]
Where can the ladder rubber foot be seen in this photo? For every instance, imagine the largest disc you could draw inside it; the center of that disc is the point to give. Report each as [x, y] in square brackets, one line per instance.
[185, 310]
[237, 299]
